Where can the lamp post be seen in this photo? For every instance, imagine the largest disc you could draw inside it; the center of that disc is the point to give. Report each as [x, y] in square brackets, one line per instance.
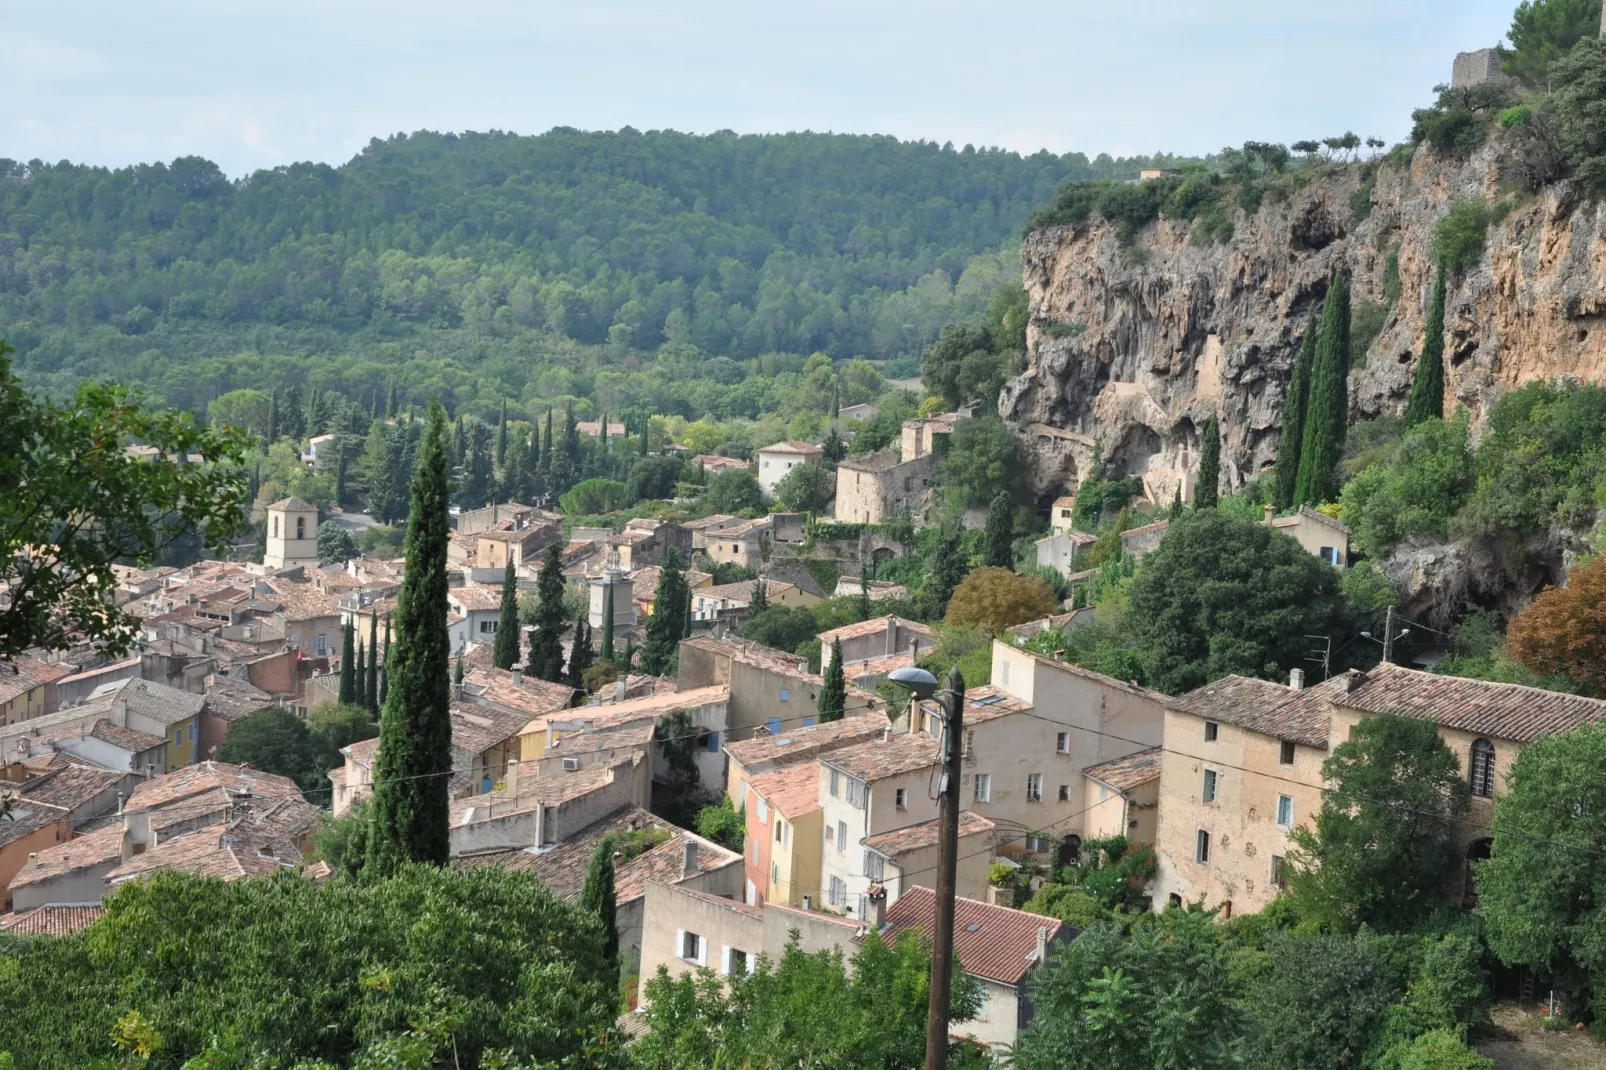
[923, 685]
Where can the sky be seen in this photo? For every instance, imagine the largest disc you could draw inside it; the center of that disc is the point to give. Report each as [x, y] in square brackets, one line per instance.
[254, 84]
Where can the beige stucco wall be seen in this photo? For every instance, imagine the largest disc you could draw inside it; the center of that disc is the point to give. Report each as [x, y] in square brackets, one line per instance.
[668, 913]
[994, 1025]
[920, 867]
[772, 468]
[1313, 535]
[880, 814]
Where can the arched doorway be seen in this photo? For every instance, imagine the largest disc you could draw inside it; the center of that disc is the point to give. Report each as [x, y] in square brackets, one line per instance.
[1070, 851]
[1477, 851]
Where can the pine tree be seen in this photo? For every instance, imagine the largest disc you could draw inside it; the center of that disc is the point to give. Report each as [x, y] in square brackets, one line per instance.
[834, 695]
[666, 626]
[292, 421]
[946, 571]
[1427, 391]
[998, 538]
[348, 665]
[598, 897]
[546, 645]
[1205, 495]
[761, 597]
[602, 434]
[580, 654]
[371, 685]
[505, 651]
[413, 767]
[1295, 404]
[479, 471]
[607, 617]
[1327, 415]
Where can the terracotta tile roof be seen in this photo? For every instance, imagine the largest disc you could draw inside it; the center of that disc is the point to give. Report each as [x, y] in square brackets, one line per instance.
[924, 834]
[22, 675]
[755, 654]
[1307, 513]
[1096, 677]
[524, 694]
[51, 921]
[720, 901]
[713, 462]
[742, 591]
[798, 744]
[71, 786]
[158, 702]
[28, 817]
[103, 845]
[709, 521]
[793, 446]
[474, 596]
[858, 670]
[1066, 502]
[1501, 711]
[232, 699]
[293, 504]
[1261, 706]
[239, 781]
[877, 758]
[363, 751]
[302, 601]
[1124, 774]
[213, 852]
[989, 702]
[653, 706]
[879, 461]
[875, 626]
[793, 790]
[997, 943]
[478, 728]
[533, 791]
[1042, 624]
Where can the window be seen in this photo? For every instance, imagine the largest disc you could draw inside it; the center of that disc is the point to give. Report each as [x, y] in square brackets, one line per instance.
[1062, 743]
[1329, 554]
[786, 694]
[320, 644]
[1483, 768]
[735, 962]
[192, 731]
[741, 795]
[763, 812]
[856, 793]
[301, 527]
[693, 948]
[1201, 847]
[178, 736]
[1174, 900]
[487, 627]
[1279, 876]
[1208, 793]
[807, 721]
[841, 837]
[711, 741]
[275, 527]
[1285, 753]
[984, 787]
[836, 892]
[1285, 811]
[775, 726]
[780, 827]
[1065, 514]
[836, 782]
[1034, 787]
[875, 867]
[900, 798]
[775, 873]
[1065, 793]
[1212, 730]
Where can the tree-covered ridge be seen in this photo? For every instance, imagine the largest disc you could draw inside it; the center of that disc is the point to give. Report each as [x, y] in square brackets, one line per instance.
[739, 245]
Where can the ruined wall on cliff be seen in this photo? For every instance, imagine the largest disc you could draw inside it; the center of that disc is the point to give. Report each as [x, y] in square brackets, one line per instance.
[1131, 349]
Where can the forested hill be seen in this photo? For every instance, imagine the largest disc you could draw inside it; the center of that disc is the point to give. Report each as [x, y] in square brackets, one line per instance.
[447, 251]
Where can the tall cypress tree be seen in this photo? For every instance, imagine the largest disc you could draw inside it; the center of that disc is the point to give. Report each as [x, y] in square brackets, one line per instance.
[505, 653]
[390, 401]
[348, 664]
[998, 538]
[1295, 403]
[370, 696]
[1427, 391]
[1327, 416]
[865, 609]
[271, 435]
[413, 767]
[834, 695]
[607, 618]
[598, 897]
[384, 673]
[761, 597]
[1205, 495]
[501, 435]
[667, 624]
[580, 654]
[646, 425]
[361, 675]
[946, 571]
[546, 645]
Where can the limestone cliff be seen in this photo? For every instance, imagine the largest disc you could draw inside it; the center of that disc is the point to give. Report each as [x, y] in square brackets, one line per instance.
[1133, 348]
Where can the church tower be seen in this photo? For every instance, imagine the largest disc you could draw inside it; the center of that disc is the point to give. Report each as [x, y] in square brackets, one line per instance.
[292, 534]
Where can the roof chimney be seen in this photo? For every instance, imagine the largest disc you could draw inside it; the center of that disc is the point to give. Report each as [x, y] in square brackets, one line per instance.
[622, 687]
[33, 859]
[808, 902]
[1271, 513]
[1296, 679]
[688, 865]
[1042, 944]
[878, 905]
[886, 734]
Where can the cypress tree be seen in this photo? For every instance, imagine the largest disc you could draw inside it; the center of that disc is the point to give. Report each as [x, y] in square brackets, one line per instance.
[998, 538]
[947, 570]
[546, 645]
[598, 897]
[580, 655]
[457, 669]
[390, 401]
[384, 674]
[348, 664]
[505, 653]
[1205, 495]
[1176, 505]
[607, 618]
[865, 609]
[1427, 391]
[646, 425]
[546, 444]
[361, 675]
[668, 621]
[501, 435]
[1327, 415]
[628, 662]
[761, 597]
[340, 471]
[1295, 403]
[272, 434]
[834, 695]
[371, 685]
[413, 767]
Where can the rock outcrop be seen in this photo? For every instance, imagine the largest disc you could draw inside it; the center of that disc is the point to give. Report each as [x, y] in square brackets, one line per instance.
[1131, 349]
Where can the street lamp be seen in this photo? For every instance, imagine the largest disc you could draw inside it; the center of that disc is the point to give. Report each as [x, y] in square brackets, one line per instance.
[923, 685]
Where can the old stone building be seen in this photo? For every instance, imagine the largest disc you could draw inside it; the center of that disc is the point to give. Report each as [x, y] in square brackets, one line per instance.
[881, 486]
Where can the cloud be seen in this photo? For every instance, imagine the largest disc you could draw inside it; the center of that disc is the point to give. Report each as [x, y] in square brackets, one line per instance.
[251, 134]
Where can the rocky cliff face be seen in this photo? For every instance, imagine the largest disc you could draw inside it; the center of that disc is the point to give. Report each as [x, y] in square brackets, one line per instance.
[1132, 349]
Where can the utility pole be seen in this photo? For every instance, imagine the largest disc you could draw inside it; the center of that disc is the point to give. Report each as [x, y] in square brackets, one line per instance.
[942, 952]
[1388, 636]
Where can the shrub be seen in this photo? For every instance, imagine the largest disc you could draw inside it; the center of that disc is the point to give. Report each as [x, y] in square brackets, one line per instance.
[1131, 206]
[1520, 115]
[1579, 81]
[1439, 1049]
[1073, 203]
[1458, 122]
[1414, 490]
[1392, 287]
[1458, 238]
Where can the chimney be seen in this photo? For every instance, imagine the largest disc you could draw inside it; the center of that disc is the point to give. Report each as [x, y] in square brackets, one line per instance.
[886, 734]
[512, 778]
[33, 859]
[622, 687]
[1296, 679]
[120, 708]
[1271, 513]
[518, 678]
[808, 902]
[120, 798]
[1042, 944]
[688, 865]
[878, 905]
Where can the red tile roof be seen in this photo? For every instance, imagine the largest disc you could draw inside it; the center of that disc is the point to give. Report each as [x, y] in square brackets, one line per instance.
[997, 943]
[1501, 711]
[797, 744]
[22, 675]
[875, 626]
[103, 845]
[51, 920]
[878, 757]
[1261, 706]
[792, 790]
[1124, 774]
[900, 841]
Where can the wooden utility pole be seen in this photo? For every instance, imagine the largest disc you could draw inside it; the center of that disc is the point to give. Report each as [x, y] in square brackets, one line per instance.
[952, 701]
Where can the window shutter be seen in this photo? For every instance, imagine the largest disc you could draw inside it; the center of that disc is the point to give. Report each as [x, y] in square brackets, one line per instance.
[680, 943]
[725, 961]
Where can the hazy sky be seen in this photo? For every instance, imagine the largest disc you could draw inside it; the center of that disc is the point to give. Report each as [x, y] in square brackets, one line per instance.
[253, 84]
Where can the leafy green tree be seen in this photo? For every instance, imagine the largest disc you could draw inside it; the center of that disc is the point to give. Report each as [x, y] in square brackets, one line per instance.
[1224, 594]
[721, 822]
[1163, 995]
[63, 464]
[1383, 845]
[333, 968]
[961, 366]
[411, 770]
[1327, 413]
[1318, 1003]
[592, 497]
[781, 627]
[348, 665]
[1416, 488]
[998, 537]
[946, 571]
[1543, 889]
[335, 543]
[807, 488]
[1459, 237]
[333, 726]
[994, 599]
[551, 619]
[734, 492]
[654, 477]
[1578, 83]
[761, 596]
[833, 701]
[505, 652]
[1205, 495]
[667, 625]
[984, 458]
[1543, 31]
[1427, 389]
[598, 898]
[276, 741]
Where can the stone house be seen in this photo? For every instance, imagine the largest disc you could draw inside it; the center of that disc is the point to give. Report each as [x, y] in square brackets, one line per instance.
[746, 543]
[1318, 533]
[717, 603]
[646, 542]
[926, 436]
[856, 412]
[713, 464]
[705, 528]
[769, 689]
[1062, 514]
[1122, 797]
[480, 607]
[763, 752]
[905, 857]
[707, 709]
[518, 543]
[873, 648]
[881, 486]
[474, 521]
[777, 460]
[27, 688]
[1059, 550]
